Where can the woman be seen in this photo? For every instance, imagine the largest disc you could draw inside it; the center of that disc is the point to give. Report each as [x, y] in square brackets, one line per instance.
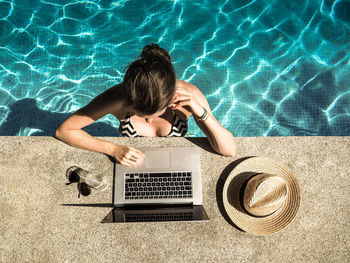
[150, 102]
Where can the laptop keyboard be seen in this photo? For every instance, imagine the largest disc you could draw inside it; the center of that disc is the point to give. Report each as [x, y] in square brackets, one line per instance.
[158, 217]
[158, 185]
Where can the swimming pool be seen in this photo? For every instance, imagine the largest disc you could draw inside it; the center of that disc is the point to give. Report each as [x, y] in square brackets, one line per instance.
[267, 68]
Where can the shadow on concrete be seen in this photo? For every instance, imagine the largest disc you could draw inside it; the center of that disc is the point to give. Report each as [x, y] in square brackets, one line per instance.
[26, 114]
[201, 142]
[90, 205]
[237, 189]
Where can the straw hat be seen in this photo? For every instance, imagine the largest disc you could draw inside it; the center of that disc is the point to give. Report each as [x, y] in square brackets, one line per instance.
[261, 195]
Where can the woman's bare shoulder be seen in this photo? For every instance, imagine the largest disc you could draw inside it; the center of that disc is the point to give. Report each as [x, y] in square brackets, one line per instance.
[108, 102]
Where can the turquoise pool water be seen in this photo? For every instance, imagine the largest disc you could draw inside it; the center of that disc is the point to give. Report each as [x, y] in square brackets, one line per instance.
[268, 68]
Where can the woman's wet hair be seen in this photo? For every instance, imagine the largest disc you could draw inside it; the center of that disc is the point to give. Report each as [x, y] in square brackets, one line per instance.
[149, 82]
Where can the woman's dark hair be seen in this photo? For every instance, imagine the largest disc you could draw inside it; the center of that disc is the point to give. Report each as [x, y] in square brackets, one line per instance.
[149, 81]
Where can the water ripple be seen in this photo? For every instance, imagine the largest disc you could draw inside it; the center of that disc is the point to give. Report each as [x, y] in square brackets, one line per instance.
[266, 67]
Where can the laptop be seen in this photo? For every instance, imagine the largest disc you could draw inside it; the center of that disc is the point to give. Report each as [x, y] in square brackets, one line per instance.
[166, 186]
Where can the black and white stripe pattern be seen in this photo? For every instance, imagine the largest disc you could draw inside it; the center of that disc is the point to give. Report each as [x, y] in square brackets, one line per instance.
[179, 128]
[126, 128]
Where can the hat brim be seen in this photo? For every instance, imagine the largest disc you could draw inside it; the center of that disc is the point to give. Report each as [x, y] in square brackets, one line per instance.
[232, 193]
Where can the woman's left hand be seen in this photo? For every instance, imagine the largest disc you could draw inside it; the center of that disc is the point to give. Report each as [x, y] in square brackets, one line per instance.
[183, 98]
[193, 100]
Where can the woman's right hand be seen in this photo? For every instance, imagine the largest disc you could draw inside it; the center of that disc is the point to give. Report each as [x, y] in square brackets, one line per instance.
[126, 155]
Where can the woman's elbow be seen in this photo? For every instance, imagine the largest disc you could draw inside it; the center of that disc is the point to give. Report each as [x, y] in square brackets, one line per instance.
[59, 133]
[229, 150]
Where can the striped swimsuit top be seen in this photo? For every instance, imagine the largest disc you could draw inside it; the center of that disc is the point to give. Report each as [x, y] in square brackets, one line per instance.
[179, 128]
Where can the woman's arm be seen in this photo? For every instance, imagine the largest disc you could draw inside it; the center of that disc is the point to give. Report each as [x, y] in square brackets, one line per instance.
[191, 98]
[70, 131]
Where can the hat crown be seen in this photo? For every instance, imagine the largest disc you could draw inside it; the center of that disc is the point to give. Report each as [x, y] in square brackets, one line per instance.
[264, 194]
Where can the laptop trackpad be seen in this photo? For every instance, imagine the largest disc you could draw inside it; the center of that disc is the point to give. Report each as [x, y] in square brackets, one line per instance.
[157, 159]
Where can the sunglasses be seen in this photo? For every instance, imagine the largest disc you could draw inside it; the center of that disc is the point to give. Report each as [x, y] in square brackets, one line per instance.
[72, 175]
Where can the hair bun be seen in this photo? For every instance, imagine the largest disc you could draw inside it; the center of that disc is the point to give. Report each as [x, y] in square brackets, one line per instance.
[153, 52]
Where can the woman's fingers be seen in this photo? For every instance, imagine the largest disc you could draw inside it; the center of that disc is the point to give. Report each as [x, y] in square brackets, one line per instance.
[129, 156]
[182, 98]
[136, 153]
[141, 154]
[180, 93]
[181, 103]
[185, 98]
[127, 161]
[179, 98]
[133, 156]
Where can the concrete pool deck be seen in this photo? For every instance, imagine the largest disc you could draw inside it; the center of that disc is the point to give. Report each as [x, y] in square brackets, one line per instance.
[43, 220]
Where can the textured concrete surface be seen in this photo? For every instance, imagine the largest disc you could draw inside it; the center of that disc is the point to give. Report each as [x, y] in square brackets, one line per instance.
[43, 220]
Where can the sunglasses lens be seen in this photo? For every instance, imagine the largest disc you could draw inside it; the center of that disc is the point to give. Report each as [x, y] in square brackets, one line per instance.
[73, 177]
[85, 190]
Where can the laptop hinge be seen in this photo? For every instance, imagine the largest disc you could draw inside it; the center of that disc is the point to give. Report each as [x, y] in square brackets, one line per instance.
[156, 206]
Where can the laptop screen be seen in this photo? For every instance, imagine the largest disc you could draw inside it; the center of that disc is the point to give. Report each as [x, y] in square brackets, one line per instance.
[156, 214]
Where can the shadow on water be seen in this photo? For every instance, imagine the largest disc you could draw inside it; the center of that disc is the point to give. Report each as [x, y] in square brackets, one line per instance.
[26, 114]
